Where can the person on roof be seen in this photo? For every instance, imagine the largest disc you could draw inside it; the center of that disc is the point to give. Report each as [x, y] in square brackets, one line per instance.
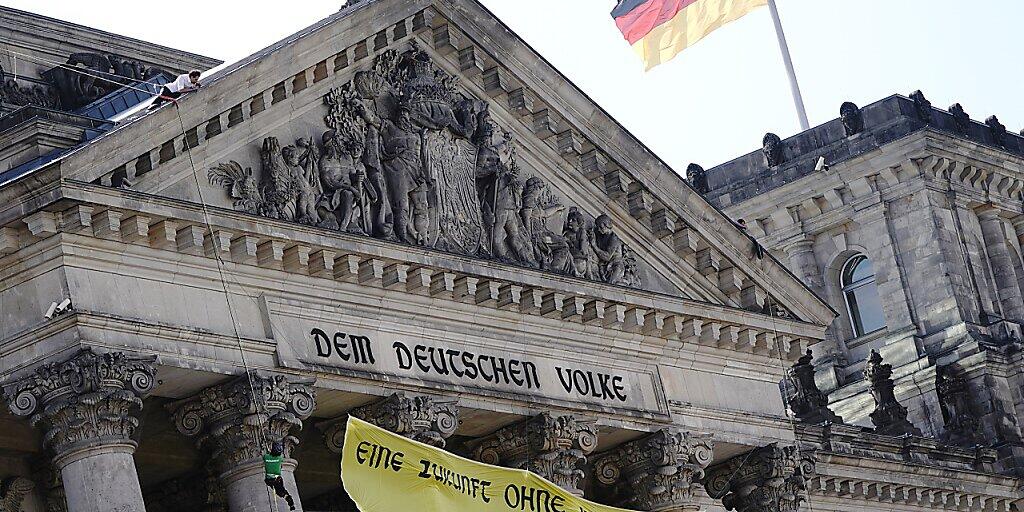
[272, 469]
[186, 82]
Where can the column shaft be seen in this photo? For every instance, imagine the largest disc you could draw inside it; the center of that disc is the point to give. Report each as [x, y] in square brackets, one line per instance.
[247, 492]
[1002, 264]
[103, 481]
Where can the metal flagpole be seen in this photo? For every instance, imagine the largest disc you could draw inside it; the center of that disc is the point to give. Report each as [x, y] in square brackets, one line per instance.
[798, 99]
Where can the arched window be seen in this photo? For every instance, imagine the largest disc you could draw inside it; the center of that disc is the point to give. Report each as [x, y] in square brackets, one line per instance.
[861, 295]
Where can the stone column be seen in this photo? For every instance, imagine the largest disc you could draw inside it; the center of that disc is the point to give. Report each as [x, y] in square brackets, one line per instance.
[767, 479]
[421, 418]
[554, 447]
[1001, 262]
[88, 407]
[237, 422]
[804, 265]
[657, 473]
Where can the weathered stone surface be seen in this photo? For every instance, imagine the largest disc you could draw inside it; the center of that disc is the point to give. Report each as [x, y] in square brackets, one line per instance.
[426, 419]
[889, 416]
[805, 400]
[767, 479]
[660, 472]
[554, 447]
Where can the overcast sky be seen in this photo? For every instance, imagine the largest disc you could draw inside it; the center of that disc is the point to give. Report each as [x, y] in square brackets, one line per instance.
[712, 103]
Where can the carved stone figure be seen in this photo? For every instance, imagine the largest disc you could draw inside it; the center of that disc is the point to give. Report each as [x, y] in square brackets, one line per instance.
[697, 177]
[961, 121]
[659, 472]
[806, 401]
[279, 193]
[852, 117]
[554, 447]
[922, 107]
[408, 157]
[996, 129]
[772, 149]
[421, 418]
[961, 422]
[889, 417]
[342, 176]
[768, 479]
[608, 248]
[15, 94]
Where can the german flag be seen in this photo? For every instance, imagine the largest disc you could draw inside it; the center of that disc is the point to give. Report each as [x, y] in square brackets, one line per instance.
[659, 29]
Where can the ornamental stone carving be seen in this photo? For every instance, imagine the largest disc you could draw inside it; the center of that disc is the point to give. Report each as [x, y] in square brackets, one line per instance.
[961, 422]
[660, 472]
[852, 118]
[97, 75]
[87, 400]
[697, 177]
[13, 491]
[922, 107]
[889, 417]
[425, 419]
[961, 121]
[772, 148]
[554, 447]
[805, 400]
[408, 156]
[996, 129]
[236, 421]
[767, 479]
[37, 95]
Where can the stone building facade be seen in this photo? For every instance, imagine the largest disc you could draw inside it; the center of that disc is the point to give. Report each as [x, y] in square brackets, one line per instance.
[907, 219]
[403, 213]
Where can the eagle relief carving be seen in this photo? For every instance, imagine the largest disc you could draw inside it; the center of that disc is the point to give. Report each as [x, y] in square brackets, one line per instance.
[407, 157]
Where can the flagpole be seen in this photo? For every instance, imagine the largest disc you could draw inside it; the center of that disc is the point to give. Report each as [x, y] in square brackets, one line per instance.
[794, 87]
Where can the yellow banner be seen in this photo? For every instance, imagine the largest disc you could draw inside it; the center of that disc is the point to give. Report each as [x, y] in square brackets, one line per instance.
[385, 472]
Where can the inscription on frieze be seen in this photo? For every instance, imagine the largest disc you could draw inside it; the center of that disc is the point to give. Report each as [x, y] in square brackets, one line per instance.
[439, 357]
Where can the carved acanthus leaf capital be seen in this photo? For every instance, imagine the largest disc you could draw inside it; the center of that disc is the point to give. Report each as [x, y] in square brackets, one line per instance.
[766, 479]
[237, 420]
[554, 447]
[421, 418]
[657, 472]
[91, 398]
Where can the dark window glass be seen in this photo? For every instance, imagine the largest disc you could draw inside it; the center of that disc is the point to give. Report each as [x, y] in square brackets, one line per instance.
[861, 294]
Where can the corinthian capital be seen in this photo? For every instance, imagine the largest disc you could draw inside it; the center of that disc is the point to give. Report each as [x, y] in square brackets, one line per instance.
[554, 447]
[421, 418]
[88, 400]
[658, 472]
[236, 420]
[767, 479]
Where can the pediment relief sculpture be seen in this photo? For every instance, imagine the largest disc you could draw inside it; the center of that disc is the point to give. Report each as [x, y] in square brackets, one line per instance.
[406, 156]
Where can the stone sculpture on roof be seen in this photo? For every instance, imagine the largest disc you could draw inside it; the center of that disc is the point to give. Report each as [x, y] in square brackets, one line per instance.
[408, 157]
[853, 119]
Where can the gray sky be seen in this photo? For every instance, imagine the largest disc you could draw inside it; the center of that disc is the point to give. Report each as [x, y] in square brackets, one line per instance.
[713, 102]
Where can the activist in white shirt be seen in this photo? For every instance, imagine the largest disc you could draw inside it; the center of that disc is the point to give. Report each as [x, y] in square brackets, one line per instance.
[186, 82]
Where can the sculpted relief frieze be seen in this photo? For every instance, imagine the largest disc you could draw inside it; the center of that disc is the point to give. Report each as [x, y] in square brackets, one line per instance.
[407, 157]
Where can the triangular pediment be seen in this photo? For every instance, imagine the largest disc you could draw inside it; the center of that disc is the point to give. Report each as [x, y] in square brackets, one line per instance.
[434, 127]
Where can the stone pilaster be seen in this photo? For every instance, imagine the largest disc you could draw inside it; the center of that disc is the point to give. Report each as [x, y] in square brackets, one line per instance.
[1001, 263]
[657, 473]
[554, 447]
[767, 479]
[237, 422]
[805, 400]
[421, 418]
[803, 263]
[88, 407]
[889, 417]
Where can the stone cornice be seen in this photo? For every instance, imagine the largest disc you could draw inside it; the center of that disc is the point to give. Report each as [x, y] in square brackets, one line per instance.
[292, 248]
[936, 160]
[685, 231]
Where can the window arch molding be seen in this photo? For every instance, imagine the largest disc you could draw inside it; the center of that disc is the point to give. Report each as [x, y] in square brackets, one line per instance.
[860, 295]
